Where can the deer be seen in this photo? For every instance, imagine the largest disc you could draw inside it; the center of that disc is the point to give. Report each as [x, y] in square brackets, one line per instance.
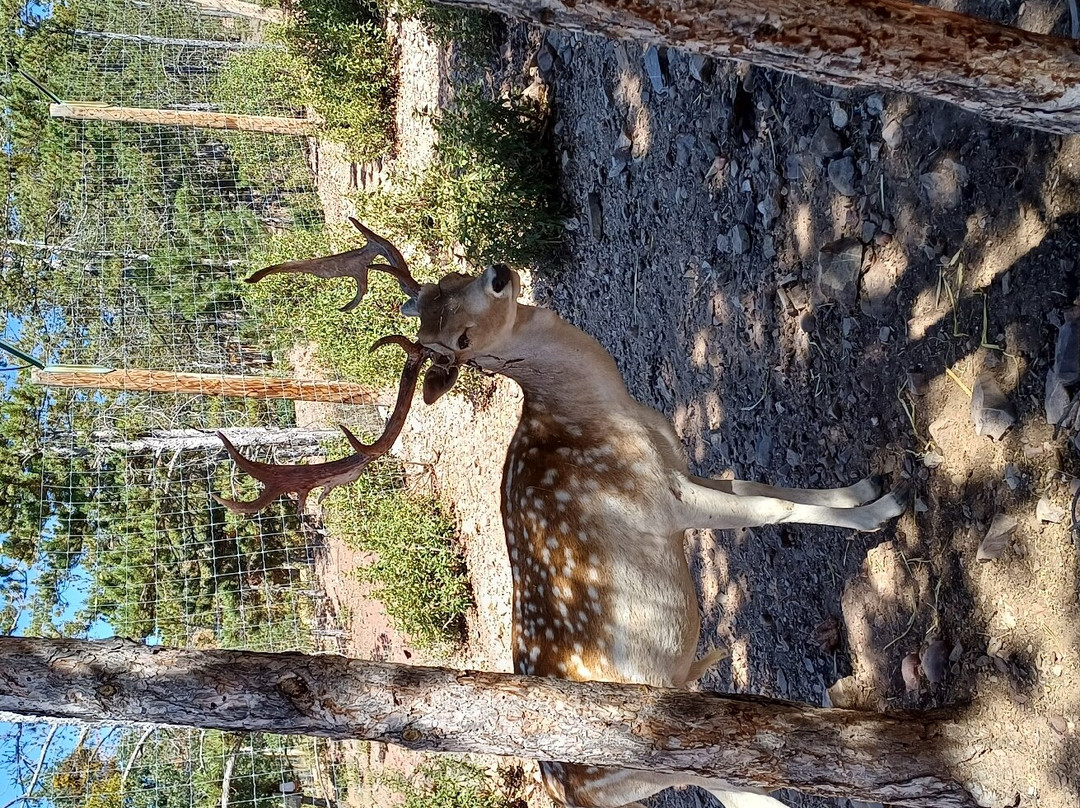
[596, 499]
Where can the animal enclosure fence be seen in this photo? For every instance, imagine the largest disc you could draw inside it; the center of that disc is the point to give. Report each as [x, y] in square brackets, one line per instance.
[128, 233]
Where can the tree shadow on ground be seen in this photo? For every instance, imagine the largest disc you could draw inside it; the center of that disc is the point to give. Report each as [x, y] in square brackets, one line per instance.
[703, 225]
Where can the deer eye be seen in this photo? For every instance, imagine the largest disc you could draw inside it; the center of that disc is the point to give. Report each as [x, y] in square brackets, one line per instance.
[463, 341]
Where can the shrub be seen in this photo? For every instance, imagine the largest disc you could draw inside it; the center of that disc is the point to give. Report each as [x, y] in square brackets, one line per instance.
[417, 573]
[447, 782]
[344, 46]
[296, 309]
[337, 62]
[491, 187]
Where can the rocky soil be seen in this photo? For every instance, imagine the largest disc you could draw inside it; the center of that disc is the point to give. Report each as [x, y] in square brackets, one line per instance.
[815, 284]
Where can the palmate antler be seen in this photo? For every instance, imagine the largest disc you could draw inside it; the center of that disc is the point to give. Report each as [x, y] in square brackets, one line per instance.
[352, 264]
[279, 479]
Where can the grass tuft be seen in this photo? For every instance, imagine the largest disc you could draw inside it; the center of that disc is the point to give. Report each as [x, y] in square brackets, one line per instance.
[491, 188]
[416, 571]
[448, 782]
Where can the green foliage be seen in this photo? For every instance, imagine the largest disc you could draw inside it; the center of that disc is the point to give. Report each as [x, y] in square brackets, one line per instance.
[447, 782]
[344, 47]
[167, 562]
[270, 82]
[87, 776]
[180, 768]
[417, 573]
[491, 187]
[471, 30]
[297, 309]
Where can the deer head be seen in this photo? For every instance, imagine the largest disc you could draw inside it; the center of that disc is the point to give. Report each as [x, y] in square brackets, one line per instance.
[461, 317]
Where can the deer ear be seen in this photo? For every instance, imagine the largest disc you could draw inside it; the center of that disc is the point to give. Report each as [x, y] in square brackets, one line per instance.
[411, 307]
[497, 280]
[438, 380]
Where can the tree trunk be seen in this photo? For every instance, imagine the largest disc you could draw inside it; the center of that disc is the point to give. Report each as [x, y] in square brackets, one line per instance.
[911, 759]
[1003, 74]
[303, 442]
[201, 44]
[209, 384]
[97, 111]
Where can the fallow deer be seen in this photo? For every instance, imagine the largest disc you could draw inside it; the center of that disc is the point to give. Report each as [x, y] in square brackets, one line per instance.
[596, 499]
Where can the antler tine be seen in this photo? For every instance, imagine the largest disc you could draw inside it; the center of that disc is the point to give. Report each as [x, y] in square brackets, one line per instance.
[352, 264]
[279, 479]
[399, 268]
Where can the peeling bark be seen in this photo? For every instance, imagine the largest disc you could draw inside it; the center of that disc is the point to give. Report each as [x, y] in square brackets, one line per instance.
[911, 759]
[1003, 74]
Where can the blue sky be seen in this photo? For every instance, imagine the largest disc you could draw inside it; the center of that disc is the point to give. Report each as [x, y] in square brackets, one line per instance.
[74, 593]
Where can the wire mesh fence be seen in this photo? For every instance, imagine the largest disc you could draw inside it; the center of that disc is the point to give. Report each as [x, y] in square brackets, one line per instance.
[126, 245]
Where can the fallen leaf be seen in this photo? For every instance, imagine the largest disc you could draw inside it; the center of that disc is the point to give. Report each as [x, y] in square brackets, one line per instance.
[827, 634]
[997, 538]
[909, 669]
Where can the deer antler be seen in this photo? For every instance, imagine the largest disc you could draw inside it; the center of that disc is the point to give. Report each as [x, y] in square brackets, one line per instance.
[279, 479]
[353, 264]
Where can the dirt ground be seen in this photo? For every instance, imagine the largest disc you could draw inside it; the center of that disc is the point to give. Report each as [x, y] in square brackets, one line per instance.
[808, 282]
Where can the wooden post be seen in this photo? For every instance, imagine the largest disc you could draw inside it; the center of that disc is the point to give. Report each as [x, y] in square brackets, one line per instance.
[238, 8]
[1003, 74]
[918, 759]
[96, 111]
[208, 384]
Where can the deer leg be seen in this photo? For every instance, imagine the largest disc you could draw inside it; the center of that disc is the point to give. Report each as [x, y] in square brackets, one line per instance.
[866, 490]
[596, 787]
[702, 506]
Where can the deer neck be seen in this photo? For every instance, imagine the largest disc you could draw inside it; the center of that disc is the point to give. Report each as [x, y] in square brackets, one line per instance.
[559, 367]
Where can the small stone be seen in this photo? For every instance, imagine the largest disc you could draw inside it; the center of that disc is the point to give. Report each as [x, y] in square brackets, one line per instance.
[990, 410]
[944, 185]
[622, 155]
[883, 334]
[875, 104]
[740, 239]
[842, 176]
[1047, 511]
[701, 68]
[1012, 476]
[997, 538]
[545, 60]
[838, 115]
[839, 267]
[596, 216]
[932, 460]
[656, 67]
[909, 672]
[1067, 351]
[769, 208]
[825, 143]
[1055, 399]
[892, 133]
[684, 148]
[934, 661]
[793, 168]
[917, 383]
